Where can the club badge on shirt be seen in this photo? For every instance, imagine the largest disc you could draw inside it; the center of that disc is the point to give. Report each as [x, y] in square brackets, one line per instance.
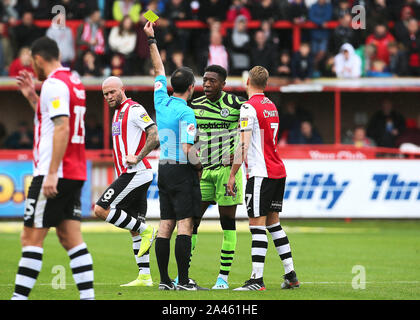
[116, 128]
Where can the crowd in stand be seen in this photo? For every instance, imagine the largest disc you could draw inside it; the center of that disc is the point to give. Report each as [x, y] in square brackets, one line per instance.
[386, 44]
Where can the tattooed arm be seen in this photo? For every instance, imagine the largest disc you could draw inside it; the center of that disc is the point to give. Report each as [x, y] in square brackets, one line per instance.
[60, 141]
[152, 142]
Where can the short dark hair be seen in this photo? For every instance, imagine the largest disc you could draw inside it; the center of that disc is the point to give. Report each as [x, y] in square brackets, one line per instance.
[45, 47]
[217, 69]
[181, 79]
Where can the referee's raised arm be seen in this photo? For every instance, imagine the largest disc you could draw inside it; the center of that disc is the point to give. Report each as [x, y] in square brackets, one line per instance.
[154, 52]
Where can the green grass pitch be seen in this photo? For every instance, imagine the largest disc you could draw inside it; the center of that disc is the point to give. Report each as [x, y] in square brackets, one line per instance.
[324, 253]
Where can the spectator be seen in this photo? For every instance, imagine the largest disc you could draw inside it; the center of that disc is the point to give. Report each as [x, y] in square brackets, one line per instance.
[397, 60]
[380, 39]
[344, 33]
[20, 139]
[178, 10]
[22, 62]
[270, 34]
[122, 41]
[298, 13]
[302, 63]
[377, 13]
[401, 26]
[217, 53]
[291, 118]
[40, 9]
[117, 65]
[213, 10]
[176, 61]
[411, 133]
[75, 9]
[88, 66]
[320, 13]
[347, 63]
[265, 10]
[341, 8]
[64, 38]
[24, 34]
[238, 8]
[386, 125]
[411, 43]
[284, 67]
[239, 44]
[306, 134]
[359, 138]
[9, 13]
[262, 53]
[94, 133]
[90, 35]
[378, 70]
[122, 8]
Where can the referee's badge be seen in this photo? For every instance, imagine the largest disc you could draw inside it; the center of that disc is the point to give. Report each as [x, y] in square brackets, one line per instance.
[191, 130]
[224, 112]
[158, 85]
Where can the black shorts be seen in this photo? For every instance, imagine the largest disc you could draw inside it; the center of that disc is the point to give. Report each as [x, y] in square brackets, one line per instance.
[41, 212]
[264, 195]
[129, 193]
[179, 191]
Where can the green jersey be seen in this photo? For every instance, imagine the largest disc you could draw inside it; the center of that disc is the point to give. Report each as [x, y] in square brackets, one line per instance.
[217, 124]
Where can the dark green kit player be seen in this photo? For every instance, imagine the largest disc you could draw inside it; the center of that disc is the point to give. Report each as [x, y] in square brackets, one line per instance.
[217, 116]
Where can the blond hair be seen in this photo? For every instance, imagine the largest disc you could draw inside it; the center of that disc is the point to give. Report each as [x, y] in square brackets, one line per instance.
[258, 77]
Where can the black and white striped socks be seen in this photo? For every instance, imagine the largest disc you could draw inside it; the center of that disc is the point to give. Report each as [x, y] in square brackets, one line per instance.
[29, 267]
[81, 266]
[258, 250]
[121, 219]
[282, 245]
[143, 262]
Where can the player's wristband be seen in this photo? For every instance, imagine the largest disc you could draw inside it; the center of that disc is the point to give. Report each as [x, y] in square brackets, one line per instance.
[150, 41]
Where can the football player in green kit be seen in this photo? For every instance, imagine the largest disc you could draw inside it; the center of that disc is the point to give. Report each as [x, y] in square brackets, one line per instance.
[217, 115]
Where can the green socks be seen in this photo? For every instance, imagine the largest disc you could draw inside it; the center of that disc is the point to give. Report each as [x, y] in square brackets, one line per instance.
[227, 253]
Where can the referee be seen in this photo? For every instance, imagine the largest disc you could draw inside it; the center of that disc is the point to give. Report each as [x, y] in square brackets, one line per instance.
[179, 168]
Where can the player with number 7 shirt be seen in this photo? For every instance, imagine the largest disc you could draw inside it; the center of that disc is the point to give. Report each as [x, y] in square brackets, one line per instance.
[266, 180]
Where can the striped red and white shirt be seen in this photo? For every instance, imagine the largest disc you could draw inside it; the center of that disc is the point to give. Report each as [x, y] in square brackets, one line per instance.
[260, 116]
[129, 124]
[62, 94]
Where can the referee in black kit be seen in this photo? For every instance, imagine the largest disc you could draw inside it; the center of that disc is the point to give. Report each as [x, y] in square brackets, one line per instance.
[179, 168]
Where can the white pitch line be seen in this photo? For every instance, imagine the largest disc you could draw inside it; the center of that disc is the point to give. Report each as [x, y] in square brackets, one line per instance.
[239, 283]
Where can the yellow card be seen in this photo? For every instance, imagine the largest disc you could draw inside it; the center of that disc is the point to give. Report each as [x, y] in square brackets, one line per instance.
[151, 16]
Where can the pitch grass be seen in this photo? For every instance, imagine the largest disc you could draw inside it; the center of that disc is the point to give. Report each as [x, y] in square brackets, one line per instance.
[324, 254]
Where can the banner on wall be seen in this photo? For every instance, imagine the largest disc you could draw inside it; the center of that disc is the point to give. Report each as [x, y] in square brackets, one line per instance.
[15, 179]
[314, 189]
[338, 189]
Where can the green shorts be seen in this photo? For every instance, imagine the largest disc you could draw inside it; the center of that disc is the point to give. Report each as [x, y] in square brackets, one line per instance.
[213, 186]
